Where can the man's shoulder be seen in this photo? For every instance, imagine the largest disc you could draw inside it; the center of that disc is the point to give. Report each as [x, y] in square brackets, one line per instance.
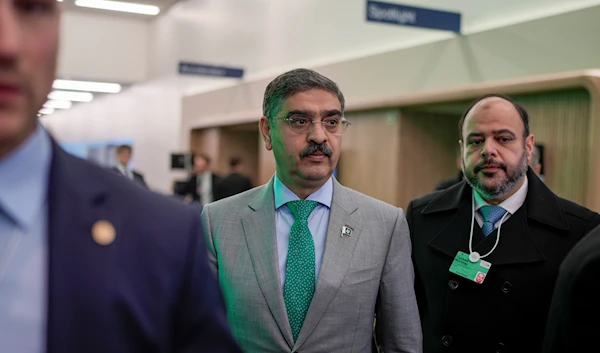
[367, 203]
[236, 202]
[423, 201]
[575, 210]
[137, 202]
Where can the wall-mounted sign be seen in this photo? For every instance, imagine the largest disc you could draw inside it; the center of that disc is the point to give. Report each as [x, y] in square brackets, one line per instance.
[186, 68]
[402, 15]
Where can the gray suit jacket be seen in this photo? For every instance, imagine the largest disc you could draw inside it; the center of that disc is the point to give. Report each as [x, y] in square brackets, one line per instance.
[369, 271]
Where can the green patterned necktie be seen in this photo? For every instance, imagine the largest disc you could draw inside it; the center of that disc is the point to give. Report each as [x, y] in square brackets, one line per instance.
[300, 268]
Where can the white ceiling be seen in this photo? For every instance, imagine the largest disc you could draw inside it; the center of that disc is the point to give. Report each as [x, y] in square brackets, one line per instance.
[163, 5]
[272, 34]
[268, 36]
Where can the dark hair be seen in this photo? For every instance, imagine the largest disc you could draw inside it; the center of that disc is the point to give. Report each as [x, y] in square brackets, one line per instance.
[203, 156]
[123, 148]
[292, 82]
[520, 109]
[234, 161]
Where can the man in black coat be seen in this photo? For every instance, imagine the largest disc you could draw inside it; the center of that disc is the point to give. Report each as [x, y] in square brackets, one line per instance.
[573, 320]
[234, 183]
[202, 184]
[466, 305]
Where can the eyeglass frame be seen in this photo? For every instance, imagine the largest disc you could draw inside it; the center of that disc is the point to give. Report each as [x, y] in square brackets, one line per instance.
[342, 120]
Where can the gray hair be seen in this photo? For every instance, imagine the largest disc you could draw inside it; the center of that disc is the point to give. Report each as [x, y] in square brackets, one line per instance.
[292, 82]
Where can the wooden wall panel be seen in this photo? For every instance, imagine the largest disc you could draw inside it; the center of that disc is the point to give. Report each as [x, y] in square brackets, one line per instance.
[561, 122]
[396, 155]
[206, 141]
[427, 153]
[368, 161]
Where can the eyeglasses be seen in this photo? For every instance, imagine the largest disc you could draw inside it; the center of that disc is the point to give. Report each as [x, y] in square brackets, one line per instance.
[301, 124]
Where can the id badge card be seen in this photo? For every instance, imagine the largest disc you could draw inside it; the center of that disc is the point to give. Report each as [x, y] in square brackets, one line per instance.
[474, 271]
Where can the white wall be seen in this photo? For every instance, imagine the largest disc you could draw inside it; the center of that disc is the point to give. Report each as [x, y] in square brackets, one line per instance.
[103, 47]
[150, 114]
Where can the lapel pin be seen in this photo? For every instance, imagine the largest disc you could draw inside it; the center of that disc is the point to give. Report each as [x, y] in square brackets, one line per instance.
[103, 232]
[346, 231]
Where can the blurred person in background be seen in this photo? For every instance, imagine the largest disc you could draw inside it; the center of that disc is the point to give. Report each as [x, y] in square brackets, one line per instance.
[536, 162]
[443, 185]
[201, 186]
[503, 215]
[234, 183]
[304, 262]
[124, 153]
[88, 263]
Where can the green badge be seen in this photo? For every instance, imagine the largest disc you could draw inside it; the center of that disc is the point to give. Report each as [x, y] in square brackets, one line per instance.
[472, 270]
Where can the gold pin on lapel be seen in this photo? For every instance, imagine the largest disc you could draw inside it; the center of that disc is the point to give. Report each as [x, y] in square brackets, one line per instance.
[346, 231]
[103, 232]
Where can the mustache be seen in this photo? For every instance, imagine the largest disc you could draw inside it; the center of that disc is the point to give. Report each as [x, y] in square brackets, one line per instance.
[487, 163]
[314, 148]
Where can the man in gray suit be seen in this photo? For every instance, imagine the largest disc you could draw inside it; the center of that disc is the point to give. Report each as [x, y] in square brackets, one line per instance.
[304, 262]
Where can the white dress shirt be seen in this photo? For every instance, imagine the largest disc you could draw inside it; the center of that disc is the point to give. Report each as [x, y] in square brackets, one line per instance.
[511, 204]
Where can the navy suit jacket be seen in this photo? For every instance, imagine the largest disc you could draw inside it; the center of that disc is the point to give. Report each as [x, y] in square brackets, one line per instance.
[150, 290]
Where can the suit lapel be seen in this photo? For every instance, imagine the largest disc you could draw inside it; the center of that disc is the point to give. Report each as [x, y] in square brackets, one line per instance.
[336, 258]
[78, 268]
[258, 223]
[516, 244]
[453, 236]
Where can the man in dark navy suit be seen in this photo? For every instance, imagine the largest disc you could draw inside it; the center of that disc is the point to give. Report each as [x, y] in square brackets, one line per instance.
[88, 262]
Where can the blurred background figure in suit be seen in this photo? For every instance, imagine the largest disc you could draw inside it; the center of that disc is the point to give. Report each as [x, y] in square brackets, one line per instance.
[234, 183]
[443, 185]
[203, 182]
[124, 153]
[536, 162]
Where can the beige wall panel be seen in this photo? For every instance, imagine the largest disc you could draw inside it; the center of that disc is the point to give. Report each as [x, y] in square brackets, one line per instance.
[561, 122]
[369, 162]
[427, 153]
[206, 141]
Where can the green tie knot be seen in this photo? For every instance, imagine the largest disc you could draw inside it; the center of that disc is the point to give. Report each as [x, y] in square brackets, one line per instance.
[302, 208]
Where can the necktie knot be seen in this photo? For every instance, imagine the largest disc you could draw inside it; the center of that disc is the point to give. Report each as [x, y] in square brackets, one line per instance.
[302, 208]
[491, 215]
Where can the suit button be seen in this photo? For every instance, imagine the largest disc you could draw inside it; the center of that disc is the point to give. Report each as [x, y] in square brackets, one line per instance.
[500, 347]
[447, 340]
[453, 284]
[506, 287]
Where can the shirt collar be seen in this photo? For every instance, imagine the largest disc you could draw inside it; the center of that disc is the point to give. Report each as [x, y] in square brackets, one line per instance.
[284, 195]
[511, 204]
[24, 176]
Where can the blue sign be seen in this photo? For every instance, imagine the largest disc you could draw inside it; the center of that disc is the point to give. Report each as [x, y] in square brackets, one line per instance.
[209, 70]
[412, 16]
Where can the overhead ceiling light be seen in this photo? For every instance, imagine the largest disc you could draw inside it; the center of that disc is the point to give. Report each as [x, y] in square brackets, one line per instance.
[84, 97]
[87, 86]
[46, 111]
[119, 6]
[58, 104]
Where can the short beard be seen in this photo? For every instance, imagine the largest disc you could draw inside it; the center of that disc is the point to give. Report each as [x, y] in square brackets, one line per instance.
[511, 180]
